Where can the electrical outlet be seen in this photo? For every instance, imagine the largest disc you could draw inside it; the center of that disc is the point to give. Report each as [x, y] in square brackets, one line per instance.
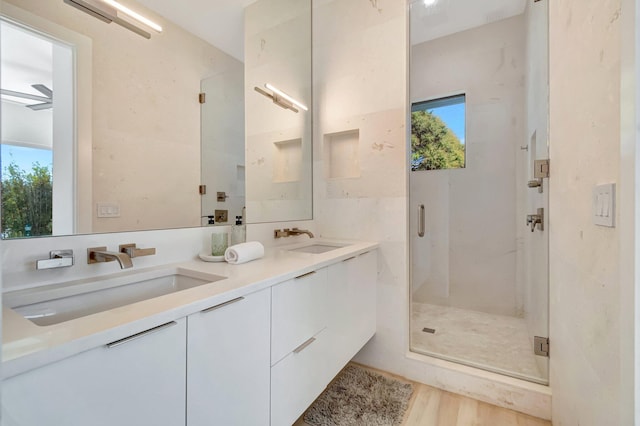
[221, 215]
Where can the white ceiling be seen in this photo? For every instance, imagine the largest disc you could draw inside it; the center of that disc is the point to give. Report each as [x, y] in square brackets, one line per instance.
[26, 60]
[220, 22]
[445, 17]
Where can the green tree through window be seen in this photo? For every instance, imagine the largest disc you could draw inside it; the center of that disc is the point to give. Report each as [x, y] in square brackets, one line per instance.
[26, 201]
[434, 145]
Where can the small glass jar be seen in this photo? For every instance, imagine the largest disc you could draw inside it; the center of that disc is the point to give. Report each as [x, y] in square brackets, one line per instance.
[238, 234]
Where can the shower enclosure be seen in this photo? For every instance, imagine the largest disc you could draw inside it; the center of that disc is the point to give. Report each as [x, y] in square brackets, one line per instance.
[479, 184]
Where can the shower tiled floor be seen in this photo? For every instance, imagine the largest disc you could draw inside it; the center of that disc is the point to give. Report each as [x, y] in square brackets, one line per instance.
[484, 340]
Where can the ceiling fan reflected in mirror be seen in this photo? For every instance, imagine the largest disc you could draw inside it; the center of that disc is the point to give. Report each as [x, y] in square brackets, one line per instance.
[46, 101]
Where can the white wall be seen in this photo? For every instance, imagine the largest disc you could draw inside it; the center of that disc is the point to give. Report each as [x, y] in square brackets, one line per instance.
[584, 266]
[471, 223]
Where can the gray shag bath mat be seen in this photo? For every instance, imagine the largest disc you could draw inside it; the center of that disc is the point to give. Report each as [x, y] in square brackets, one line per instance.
[360, 397]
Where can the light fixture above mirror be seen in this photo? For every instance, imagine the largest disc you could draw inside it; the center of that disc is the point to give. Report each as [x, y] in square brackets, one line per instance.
[107, 11]
[280, 98]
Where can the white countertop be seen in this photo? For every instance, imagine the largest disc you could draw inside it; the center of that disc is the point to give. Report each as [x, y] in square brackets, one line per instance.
[27, 346]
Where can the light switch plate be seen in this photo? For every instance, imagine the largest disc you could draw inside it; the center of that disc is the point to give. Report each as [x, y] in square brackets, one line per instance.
[604, 203]
[108, 210]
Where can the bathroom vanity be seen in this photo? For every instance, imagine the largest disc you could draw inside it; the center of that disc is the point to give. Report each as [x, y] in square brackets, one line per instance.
[254, 348]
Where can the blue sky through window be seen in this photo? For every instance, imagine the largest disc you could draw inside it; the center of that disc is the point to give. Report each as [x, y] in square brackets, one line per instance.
[24, 157]
[453, 117]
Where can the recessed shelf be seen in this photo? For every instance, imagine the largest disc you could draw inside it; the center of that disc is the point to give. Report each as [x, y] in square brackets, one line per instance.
[341, 154]
[287, 161]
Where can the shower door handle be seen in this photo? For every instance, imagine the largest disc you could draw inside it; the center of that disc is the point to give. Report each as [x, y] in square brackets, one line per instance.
[421, 220]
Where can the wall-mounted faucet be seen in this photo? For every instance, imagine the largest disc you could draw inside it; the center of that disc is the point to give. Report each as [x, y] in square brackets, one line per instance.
[133, 251]
[286, 232]
[281, 233]
[100, 254]
[57, 259]
[296, 231]
[536, 220]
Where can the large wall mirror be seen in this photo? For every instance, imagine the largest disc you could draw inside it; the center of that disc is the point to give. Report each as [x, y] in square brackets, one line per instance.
[104, 128]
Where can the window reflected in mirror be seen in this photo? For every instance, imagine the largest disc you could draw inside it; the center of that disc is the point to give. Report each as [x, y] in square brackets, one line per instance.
[33, 66]
[27, 191]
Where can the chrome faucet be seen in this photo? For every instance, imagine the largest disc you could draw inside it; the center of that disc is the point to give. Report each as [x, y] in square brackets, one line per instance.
[296, 231]
[100, 254]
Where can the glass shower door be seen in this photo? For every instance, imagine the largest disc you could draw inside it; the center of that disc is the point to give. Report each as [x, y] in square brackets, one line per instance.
[478, 241]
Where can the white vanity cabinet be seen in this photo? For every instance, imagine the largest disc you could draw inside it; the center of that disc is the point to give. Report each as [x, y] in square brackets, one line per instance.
[135, 381]
[319, 322]
[259, 358]
[298, 345]
[299, 311]
[228, 362]
[352, 306]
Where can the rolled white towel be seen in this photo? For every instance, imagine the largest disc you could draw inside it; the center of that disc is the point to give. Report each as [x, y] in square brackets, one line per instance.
[245, 252]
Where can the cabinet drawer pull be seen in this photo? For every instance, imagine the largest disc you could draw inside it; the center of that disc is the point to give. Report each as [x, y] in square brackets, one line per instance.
[349, 258]
[140, 335]
[222, 305]
[305, 275]
[303, 346]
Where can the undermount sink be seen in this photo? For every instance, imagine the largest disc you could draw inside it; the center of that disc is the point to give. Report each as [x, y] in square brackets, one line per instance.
[91, 297]
[317, 248]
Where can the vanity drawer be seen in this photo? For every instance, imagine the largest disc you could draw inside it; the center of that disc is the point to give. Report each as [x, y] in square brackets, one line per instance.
[298, 312]
[298, 379]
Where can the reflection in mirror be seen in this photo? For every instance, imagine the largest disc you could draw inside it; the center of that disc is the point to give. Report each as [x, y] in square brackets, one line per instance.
[223, 168]
[133, 145]
[277, 91]
[27, 71]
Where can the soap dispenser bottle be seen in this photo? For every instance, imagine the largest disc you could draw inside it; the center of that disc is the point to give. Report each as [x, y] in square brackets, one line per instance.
[238, 232]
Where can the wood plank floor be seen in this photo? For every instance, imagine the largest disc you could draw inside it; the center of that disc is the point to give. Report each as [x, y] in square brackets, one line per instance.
[434, 407]
[430, 406]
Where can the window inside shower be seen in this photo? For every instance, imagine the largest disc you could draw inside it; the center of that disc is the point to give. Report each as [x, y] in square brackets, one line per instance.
[438, 134]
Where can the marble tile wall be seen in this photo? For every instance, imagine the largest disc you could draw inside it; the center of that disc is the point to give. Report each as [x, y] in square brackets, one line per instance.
[359, 67]
[584, 267]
